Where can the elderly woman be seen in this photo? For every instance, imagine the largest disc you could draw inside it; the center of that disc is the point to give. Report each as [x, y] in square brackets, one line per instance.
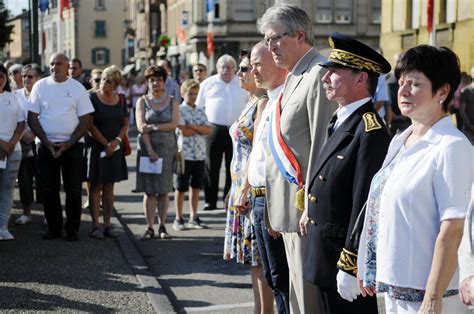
[418, 200]
[106, 160]
[11, 129]
[157, 118]
[240, 240]
[30, 74]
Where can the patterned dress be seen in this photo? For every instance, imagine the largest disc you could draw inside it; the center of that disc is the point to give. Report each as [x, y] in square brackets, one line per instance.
[164, 144]
[240, 241]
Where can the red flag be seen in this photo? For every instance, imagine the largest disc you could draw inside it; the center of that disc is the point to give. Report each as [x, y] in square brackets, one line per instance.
[429, 13]
[210, 44]
[43, 41]
[62, 5]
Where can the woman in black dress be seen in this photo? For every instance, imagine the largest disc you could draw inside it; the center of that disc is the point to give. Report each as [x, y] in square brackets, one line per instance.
[107, 163]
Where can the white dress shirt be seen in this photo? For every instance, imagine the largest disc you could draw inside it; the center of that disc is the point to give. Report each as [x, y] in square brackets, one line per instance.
[256, 164]
[223, 102]
[345, 112]
[430, 183]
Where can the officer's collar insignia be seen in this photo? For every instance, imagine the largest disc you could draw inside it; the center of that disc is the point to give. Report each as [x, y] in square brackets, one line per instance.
[371, 122]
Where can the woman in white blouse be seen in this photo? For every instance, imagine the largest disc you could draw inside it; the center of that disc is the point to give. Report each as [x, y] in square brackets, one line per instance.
[418, 200]
[11, 129]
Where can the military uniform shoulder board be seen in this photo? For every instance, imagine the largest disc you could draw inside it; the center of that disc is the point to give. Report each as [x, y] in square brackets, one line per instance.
[371, 122]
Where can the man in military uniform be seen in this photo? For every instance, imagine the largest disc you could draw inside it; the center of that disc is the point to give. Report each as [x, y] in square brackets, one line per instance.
[340, 178]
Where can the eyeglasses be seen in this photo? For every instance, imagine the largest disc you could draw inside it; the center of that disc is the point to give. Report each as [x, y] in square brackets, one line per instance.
[28, 77]
[107, 81]
[268, 42]
[198, 70]
[97, 80]
[244, 69]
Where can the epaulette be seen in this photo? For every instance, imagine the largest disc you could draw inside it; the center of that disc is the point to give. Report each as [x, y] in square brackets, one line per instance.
[371, 122]
[348, 262]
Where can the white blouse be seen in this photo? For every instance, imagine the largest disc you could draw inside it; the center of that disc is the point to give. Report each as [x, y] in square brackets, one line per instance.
[430, 183]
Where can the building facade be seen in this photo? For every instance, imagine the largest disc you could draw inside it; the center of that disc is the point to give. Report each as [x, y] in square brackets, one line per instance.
[404, 25]
[91, 30]
[18, 49]
[186, 23]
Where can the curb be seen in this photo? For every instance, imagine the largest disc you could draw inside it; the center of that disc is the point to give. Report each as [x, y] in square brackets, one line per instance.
[155, 293]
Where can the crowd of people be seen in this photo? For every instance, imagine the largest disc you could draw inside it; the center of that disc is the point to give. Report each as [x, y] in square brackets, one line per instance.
[344, 177]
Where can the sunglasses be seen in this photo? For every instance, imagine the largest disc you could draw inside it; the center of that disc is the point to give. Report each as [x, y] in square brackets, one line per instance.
[28, 77]
[244, 69]
[107, 81]
[97, 80]
[14, 72]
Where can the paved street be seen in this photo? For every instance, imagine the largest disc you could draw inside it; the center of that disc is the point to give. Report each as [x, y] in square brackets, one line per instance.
[106, 275]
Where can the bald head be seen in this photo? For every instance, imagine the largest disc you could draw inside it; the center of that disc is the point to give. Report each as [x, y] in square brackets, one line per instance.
[267, 75]
[59, 64]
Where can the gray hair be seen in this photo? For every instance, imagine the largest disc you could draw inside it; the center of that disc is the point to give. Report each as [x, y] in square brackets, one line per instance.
[225, 59]
[34, 67]
[291, 17]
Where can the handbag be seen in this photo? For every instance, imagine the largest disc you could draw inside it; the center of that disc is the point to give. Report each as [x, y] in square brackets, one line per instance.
[178, 163]
[127, 149]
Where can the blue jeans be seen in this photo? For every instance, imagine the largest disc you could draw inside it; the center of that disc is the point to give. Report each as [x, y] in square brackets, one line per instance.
[273, 257]
[7, 184]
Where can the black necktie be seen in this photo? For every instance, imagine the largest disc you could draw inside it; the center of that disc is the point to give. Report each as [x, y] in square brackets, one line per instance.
[331, 124]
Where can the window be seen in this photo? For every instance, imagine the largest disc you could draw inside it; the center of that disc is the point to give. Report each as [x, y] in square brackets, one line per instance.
[343, 12]
[244, 10]
[217, 13]
[100, 28]
[376, 11]
[100, 56]
[324, 11]
[100, 4]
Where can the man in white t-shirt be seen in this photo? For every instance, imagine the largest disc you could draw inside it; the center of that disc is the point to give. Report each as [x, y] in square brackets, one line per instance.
[223, 100]
[59, 115]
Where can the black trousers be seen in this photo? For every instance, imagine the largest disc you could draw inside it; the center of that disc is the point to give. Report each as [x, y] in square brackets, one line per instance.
[329, 301]
[218, 143]
[70, 165]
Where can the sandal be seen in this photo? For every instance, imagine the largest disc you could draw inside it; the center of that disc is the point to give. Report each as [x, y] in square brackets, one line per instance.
[110, 232]
[97, 233]
[148, 235]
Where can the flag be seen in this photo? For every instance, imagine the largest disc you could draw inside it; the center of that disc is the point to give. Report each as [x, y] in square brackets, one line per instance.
[429, 13]
[62, 5]
[210, 31]
[43, 5]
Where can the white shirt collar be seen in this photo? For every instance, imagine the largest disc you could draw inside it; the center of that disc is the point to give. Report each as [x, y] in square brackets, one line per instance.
[345, 112]
[297, 63]
[273, 94]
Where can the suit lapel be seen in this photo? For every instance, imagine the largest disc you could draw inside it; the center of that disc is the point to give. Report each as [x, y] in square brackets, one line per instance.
[296, 77]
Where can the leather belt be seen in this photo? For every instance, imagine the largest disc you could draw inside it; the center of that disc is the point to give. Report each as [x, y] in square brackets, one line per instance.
[259, 191]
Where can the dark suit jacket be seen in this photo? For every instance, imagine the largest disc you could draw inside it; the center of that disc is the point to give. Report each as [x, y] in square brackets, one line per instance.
[338, 187]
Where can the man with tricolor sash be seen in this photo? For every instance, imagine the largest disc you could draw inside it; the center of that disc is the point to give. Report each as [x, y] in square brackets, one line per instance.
[340, 178]
[297, 127]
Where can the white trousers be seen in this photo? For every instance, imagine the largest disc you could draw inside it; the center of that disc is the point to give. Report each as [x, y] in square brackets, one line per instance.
[451, 304]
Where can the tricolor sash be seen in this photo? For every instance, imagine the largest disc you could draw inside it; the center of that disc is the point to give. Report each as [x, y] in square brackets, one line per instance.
[282, 154]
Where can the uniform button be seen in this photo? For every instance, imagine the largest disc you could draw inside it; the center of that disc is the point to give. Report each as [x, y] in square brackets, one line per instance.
[322, 178]
[313, 199]
[340, 157]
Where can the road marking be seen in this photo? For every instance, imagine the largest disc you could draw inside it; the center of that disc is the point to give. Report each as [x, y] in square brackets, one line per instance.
[219, 307]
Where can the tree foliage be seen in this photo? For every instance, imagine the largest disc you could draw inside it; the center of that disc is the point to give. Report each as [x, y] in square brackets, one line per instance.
[5, 31]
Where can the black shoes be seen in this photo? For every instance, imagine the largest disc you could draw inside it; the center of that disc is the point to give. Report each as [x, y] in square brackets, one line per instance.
[49, 235]
[72, 236]
[208, 206]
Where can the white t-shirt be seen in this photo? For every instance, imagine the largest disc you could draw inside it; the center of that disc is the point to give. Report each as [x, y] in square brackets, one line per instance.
[11, 113]
[256, 164]
[223, 102]
[430, 183]
[59, 106]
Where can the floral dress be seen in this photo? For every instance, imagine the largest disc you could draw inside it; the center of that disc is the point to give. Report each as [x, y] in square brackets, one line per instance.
[240, 242]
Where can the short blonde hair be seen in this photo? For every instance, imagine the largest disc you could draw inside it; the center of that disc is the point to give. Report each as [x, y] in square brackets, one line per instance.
[96, 72]
[114, 73]
[188, 85]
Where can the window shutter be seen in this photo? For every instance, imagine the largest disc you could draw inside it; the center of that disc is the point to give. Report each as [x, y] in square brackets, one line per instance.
[93, 55]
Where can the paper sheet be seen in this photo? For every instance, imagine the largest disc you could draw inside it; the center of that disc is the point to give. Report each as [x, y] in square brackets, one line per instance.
[146, 166]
